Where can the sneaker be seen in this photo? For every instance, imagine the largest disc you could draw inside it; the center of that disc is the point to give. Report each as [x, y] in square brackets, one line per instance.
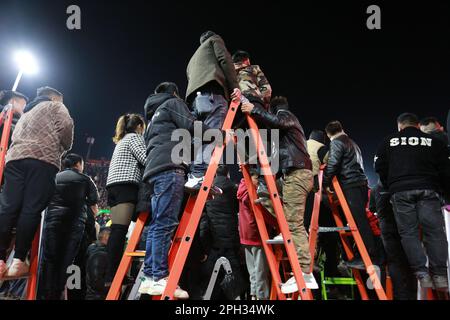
[440, 282]
[146, 284]
[194, 184]
[3, 268]
[278, 238]
[290, 286]
[156, 288]
[17, 269]
[425, 280]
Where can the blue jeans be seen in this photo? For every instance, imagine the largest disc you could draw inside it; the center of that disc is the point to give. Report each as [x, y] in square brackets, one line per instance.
[167, 197]
[212, 110]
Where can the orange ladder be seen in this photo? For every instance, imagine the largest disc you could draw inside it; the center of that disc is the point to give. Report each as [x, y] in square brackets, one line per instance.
[350, 230]
[6, 118]
[191, 217]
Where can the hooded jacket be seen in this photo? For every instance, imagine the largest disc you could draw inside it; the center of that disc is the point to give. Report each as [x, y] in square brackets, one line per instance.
[164, 114]
[293, 149]
[248, 229]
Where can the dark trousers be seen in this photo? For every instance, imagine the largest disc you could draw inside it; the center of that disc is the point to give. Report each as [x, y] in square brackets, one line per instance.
[422, 208]
[29, 185]
[403, 280]
[62, 234]
[357, 198]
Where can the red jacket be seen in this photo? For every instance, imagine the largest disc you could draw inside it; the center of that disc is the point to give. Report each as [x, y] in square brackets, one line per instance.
[248, 229]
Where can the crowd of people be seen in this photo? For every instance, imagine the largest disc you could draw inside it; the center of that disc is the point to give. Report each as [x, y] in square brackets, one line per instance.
[145, 175]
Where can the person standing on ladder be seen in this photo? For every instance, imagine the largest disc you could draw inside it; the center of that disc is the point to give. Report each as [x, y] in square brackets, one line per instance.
[165, 172]
[42, 135]
[414, 167]
[18, 101]
[345, 162]
[212, 82]
[296, 167]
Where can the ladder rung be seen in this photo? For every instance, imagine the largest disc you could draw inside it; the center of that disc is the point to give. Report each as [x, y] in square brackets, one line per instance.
[333, 229]
[136, 254]
[271, 241]
[340, 281]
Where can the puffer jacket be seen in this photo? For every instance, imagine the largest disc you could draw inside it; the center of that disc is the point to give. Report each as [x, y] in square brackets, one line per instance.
[74, 190]
[96, 266]
[220, 223]
[165, 113]
[293, 150]
[345, 162]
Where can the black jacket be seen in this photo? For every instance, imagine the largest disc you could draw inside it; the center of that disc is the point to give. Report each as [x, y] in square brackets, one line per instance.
[164, 114]
[345, 162]
[293, 151]
[412, 160]
[35, 102]
[74, 190]
[219, 224]
[96, 266]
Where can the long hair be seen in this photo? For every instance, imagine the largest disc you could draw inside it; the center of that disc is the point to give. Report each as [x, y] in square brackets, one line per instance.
[128, 123]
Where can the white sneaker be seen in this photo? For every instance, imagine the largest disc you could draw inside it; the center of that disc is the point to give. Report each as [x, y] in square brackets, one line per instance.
[156, 288]
[278, 238]
[193, 184]
[17, 269]
[290, 286]
[146, 285]
[3, 268]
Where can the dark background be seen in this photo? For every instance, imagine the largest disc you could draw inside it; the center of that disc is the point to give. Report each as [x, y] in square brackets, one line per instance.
[321, 56]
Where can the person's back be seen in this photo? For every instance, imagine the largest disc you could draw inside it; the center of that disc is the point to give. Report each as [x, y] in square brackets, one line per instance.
[43, 133]
[211, 65]
[222, 215]
[345, 162]
[96, 267]
[416, 161]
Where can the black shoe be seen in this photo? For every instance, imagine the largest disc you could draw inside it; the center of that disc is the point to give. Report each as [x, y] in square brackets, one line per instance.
[356, 263]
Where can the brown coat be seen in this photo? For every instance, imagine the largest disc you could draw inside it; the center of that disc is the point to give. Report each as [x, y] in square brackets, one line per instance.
[44, 133]
[211, 62]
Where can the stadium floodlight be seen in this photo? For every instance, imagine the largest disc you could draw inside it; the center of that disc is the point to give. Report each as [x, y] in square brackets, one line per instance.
[26, 63]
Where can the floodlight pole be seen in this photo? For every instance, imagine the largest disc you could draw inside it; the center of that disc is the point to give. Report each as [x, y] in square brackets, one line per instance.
[16, 83]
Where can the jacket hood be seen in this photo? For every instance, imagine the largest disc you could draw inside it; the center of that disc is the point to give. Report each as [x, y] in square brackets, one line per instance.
[153, 102]
[35, 102]
[242, 190]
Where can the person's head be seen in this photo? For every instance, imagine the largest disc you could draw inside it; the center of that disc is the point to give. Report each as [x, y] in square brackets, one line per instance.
[50, 93]
[222, 171]
[206, 35]
[14, 98]
[317, 135]
[430, 124]
[278, 103]
[333, 128]
[406, 120]
[103, 235]
[241, 58]
[169, 88]
[254, 174]
[129, 123]
[73, 161]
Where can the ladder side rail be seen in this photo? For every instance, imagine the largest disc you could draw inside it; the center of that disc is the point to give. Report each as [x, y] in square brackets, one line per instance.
[314, 224]
[5, 139]
[33, 277]
[305, 293]
[272, 259]
[221, 262]
[359, 242]
[188, 236]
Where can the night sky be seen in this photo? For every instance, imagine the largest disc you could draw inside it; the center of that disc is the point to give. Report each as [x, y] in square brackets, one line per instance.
[322, 57]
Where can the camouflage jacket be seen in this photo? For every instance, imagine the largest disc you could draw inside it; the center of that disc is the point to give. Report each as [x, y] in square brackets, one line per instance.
[253, 82]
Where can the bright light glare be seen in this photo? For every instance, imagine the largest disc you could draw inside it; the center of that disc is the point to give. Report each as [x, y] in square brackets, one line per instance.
[26, 62]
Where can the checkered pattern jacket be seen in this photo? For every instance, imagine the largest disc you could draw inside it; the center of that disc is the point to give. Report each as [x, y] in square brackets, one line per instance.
[127, 161]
